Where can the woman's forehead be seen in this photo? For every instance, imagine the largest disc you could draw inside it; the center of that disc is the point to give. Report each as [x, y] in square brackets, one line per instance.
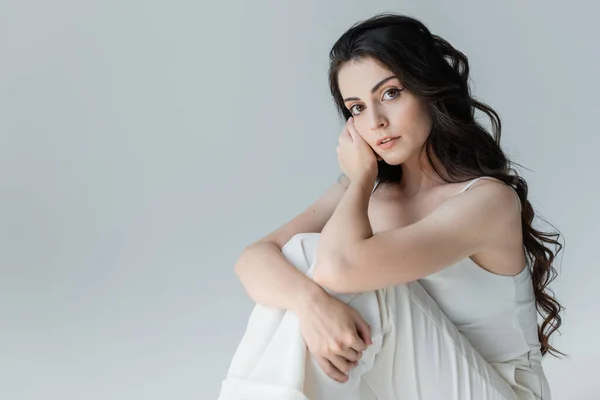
[359, 78]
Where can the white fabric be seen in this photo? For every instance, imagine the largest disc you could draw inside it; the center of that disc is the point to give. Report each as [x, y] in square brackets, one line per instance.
[417, 353]
[462, 333]
[502, 323]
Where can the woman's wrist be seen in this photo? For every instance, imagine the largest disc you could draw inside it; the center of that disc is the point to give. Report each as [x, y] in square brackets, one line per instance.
[308, 295]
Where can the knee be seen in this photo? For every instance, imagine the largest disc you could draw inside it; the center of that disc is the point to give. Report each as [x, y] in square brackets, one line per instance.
[300, 250]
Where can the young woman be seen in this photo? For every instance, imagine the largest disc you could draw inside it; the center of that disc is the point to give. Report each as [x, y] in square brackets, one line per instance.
[429, 227]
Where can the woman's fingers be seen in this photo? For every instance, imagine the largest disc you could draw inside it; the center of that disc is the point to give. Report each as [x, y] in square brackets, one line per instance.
[363, 329]
[357, 343]
[351, 354]
[342, 364]
[331, 370]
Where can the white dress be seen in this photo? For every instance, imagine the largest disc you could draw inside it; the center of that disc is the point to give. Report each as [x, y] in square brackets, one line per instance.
[461, 333]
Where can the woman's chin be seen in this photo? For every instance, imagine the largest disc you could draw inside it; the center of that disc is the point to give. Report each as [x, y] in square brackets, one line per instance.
[389, 161]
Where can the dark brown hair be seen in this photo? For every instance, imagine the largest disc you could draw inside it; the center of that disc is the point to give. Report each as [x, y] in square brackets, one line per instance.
[432, 69]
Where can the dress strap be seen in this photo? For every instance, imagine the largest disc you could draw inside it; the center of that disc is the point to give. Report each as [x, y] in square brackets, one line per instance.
[470, 183]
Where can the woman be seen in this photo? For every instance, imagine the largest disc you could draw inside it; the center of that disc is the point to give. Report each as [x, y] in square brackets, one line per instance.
[429, 227]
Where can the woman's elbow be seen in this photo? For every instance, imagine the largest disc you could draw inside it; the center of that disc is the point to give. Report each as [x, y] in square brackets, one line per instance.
[332, 275]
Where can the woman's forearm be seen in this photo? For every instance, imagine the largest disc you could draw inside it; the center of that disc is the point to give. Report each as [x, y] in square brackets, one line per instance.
[270, 279]
[349, 224]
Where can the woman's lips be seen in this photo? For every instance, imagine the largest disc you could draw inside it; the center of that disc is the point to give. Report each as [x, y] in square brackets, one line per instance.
[388, 144]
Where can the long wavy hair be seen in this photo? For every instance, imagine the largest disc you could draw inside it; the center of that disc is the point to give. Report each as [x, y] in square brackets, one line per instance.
[433, 70]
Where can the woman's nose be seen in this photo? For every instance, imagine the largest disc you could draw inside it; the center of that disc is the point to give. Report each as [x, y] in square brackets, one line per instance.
[378, 121]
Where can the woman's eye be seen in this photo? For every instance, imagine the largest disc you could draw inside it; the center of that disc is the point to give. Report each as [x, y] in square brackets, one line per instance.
[353, 108]
[396, 91]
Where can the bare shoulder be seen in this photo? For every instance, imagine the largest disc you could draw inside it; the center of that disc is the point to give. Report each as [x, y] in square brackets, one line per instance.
[497, 194]
[491, 210]
[487, 212]
[313, 218]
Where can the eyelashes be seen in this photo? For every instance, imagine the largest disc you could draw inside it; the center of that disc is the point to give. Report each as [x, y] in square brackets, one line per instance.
[393, 90]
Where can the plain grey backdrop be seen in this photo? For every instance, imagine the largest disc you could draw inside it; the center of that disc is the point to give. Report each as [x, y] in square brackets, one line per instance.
[144, 144]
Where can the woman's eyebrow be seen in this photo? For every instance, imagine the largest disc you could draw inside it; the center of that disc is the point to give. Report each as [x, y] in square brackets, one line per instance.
[372, 90]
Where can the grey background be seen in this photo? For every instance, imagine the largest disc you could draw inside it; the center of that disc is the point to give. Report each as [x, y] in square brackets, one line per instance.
[144, 144]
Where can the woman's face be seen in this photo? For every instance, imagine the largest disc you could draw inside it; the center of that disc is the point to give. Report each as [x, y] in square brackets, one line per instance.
[382, 107]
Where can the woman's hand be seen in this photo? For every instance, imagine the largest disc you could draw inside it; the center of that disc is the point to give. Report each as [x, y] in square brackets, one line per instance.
[335, 334]
[356, 158]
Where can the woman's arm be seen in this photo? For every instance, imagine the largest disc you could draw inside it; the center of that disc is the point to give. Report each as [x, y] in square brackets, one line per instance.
[335, 333]
[268, 277]
[462, 226]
